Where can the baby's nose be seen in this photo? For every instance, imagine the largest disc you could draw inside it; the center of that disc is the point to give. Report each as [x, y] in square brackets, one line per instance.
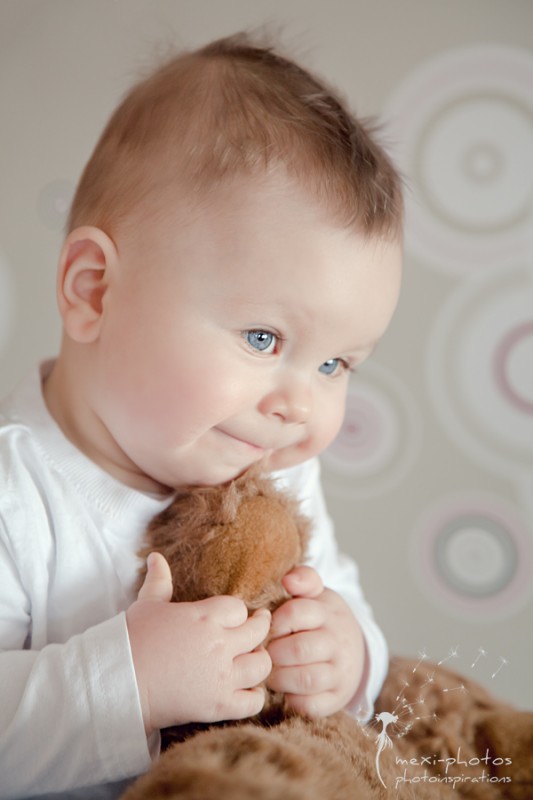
[290, 402]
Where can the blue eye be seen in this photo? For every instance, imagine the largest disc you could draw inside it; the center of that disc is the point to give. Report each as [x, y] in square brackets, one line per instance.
[335, 365]
[264, 341]
[329, 367]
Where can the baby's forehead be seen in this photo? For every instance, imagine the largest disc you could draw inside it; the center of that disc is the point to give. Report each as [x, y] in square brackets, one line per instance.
[262, 197]
[230, 108]
[269, 246]
[262, 237]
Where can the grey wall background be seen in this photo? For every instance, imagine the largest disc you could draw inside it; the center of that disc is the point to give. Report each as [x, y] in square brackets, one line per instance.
[431, 479]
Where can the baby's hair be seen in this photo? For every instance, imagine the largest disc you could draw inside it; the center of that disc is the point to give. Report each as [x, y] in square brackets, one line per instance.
[236, 108]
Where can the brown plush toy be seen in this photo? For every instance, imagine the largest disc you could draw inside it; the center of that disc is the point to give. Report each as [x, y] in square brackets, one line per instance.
[241, 539]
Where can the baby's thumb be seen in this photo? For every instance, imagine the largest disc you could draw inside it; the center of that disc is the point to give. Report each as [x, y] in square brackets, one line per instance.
[158, 581]
[303, 582]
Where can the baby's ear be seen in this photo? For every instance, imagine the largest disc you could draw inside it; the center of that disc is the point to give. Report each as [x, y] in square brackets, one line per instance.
[86, 258]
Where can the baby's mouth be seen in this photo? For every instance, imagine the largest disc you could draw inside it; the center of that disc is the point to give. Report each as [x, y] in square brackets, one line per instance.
[244, 442]
[258, 450]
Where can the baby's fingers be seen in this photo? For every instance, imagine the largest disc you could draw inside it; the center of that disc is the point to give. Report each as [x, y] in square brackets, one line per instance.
[306, 647]
[253, 632]
[313, 705]
[157, 585]
[303, 581]
[298, 614]
[247, 703]
[251, 669]
[309, 680]
[228, 611]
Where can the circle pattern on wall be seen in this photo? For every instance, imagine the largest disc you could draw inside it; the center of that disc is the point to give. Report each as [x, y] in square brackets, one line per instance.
[462, 124]
[473, 555]
[379, 439]
[480, 370]
[53, 203]
[7, 302]
[513, 366]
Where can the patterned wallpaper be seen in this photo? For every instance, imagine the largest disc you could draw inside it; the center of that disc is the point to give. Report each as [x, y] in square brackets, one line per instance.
[460, 126]
[430, 481]
[463, 127]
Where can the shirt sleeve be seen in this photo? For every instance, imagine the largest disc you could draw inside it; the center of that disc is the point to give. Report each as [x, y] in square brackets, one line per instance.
[70, 713]
[339, 572]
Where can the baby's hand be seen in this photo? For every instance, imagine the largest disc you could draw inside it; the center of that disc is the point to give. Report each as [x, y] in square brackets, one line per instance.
[317, 648]
[195, 662]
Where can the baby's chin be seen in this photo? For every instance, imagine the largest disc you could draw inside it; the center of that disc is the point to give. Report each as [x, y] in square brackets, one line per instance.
[212, 477]
[265, 465]
[219, 474]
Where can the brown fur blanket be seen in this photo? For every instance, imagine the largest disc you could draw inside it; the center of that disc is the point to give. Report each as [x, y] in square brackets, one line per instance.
[426, 740]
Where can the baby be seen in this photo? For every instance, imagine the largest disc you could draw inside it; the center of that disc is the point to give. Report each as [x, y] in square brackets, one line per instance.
[233, 253]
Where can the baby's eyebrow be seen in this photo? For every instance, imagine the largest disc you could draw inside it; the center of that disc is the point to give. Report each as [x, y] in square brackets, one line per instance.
[246, 304]
[277, 313]
[371, 346]
[269, 310]
[363, 351]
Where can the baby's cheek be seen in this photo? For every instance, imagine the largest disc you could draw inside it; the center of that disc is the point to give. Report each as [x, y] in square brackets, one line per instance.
[330, 426]
[325, 431]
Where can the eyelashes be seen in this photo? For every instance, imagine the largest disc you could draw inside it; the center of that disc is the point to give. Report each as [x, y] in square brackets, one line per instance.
[262, 341]
[266, 342]
[335, 365]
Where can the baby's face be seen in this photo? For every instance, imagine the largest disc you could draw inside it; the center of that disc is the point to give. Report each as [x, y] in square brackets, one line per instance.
[228, 336]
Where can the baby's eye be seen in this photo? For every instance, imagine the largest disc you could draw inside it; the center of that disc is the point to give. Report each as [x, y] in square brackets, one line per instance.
[334, 365]
[264, 341]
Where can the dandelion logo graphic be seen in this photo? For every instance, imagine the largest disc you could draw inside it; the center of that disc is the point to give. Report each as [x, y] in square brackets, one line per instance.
[452, 653]
[503, 662]
[384, 739]
[397, 722]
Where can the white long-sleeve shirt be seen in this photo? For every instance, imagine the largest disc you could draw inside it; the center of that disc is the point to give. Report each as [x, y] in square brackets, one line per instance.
[70, 714]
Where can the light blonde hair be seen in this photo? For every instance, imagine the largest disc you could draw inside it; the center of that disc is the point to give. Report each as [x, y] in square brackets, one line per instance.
[234, 108]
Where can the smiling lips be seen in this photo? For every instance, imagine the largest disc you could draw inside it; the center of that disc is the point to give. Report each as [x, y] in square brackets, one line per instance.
[255, 448]
[251, 447]
[244, 442]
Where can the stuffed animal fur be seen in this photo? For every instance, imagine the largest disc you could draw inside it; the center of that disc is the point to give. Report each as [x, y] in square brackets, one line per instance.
[241, 539]
[238, 539]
